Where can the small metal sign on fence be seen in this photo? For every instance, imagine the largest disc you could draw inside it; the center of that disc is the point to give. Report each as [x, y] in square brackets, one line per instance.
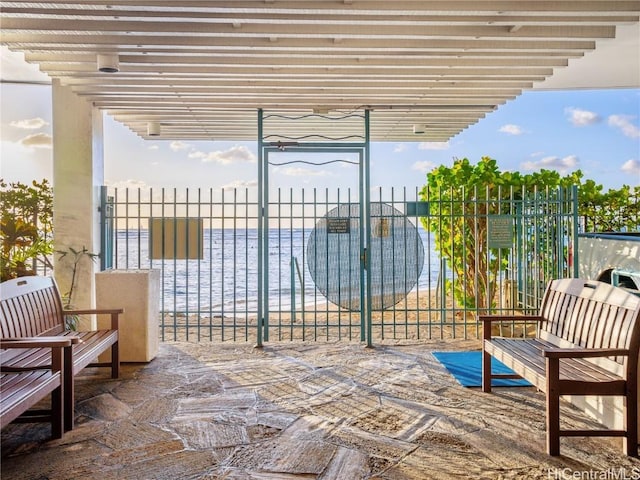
[338, 225]
[500, 230]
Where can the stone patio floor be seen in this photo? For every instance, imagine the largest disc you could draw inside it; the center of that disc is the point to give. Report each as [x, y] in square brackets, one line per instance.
[304, 411]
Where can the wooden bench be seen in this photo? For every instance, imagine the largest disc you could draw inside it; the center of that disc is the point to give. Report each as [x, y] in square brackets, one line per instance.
[32, 306]
[587, 343]
[20, 391]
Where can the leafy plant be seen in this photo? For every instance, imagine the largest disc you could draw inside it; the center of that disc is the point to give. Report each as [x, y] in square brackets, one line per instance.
[74, 257]
[610, 211]
[462, 197]
[26, 224]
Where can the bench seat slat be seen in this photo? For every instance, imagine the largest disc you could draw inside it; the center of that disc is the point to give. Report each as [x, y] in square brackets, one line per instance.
[577, 376]
[84, 352]
[21, 358]
[530, 352]
[91, 342]
[17, 388]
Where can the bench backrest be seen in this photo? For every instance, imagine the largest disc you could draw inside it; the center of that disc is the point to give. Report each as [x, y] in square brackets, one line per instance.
[29, 306]
[591, 314]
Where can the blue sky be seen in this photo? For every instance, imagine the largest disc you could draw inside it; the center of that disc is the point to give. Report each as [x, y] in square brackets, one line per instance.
[596, 131]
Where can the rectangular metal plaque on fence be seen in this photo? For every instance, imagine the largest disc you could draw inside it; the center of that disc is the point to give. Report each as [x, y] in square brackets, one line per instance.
[176, 238]
[417, 209]
[500, 231]
[338, 225]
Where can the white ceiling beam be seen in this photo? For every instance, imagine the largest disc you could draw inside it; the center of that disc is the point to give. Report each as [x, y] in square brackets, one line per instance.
[241, 18]
[26, 40]
[293, 30]
[363, 7]
[163, 62]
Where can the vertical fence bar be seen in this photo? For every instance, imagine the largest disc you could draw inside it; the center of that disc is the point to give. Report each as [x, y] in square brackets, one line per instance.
[104, 230]
[326, 209]
[210, 260]
[326, 259]
[574, 239]
[223, 264]
[350, 266]
[293, 281]
[279, 256]
[261, 204]
[266, 240]
[138, 229]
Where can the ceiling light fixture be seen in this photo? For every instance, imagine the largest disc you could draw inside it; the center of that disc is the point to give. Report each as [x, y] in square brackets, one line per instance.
[108, 62]
[153, 129]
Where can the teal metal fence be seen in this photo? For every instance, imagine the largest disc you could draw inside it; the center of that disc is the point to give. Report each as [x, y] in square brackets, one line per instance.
[434, 264]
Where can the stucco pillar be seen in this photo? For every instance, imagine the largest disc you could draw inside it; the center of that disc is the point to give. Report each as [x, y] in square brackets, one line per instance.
[78, 173]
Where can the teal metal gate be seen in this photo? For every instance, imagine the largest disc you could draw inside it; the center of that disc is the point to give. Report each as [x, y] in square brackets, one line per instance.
[355, 147]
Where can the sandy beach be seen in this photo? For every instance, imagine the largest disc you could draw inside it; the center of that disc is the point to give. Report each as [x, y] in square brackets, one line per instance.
[418, 317]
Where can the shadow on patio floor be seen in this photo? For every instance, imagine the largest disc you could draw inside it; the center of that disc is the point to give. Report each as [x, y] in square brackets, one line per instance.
[298, 411]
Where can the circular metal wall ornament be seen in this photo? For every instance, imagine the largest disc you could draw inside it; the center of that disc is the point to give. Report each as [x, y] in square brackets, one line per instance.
[396, 256]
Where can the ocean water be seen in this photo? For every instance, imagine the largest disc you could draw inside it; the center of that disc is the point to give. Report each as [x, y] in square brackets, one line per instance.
[225, 280]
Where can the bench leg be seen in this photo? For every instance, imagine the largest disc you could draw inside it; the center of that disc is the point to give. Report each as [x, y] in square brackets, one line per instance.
[68, 398]
[630, 444]
[57, 413]
[553, 407]
[486, 372]
[115, 361]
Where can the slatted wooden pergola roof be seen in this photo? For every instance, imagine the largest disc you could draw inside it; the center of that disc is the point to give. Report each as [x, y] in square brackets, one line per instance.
[201, 69]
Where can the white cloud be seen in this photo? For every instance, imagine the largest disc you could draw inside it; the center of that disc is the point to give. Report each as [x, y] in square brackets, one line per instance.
[303, 172]
[154, 147]
[178, 145]
[563, 165]
[347, 165]
[30, 123]
[129, 183]
[400, 147]
[582, 118]
[511, 129]
[236, 154]
[197, 154]
[37, 140]
[433, 146]
[241, 184]
[623, 122]
[423, 166]
[631, 167]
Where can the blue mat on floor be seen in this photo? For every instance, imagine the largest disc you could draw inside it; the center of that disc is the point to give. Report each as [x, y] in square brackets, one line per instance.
[466, 367]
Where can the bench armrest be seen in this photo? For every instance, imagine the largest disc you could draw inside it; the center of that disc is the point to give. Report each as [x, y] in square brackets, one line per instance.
[44, 338]
[583, 352]
[37, 342]
[114, 312]
[60, 350]
[510, 318]
[487, 320]
[96, 311]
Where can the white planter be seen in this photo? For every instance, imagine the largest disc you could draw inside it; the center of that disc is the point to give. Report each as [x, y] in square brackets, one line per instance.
[138, 293]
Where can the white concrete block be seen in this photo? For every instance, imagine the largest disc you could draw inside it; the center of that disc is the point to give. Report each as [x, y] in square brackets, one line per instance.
[138, 292]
